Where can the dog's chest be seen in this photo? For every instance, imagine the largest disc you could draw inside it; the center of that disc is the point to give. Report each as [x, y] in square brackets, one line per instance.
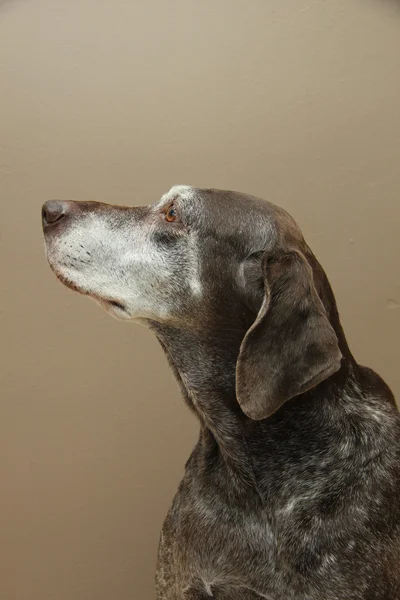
[207, 544]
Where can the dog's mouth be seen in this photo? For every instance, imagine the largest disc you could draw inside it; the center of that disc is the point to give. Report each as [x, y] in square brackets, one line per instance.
[108, 303]
[114, 307]
[116, 304]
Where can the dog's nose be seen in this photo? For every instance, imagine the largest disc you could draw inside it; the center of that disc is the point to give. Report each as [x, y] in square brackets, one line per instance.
[53, 211]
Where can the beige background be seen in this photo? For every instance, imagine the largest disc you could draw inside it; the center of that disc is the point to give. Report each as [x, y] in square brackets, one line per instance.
[293, 100]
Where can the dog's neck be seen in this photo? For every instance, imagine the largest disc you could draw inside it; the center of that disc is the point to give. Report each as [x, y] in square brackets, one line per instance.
[204, 367]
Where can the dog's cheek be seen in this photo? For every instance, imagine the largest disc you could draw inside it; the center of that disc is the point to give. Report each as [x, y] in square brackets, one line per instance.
[165, 289]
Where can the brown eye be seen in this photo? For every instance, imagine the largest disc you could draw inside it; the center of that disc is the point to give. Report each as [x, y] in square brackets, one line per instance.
[171, 215]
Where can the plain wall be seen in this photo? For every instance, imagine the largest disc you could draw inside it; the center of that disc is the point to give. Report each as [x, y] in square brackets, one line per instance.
[296, 101]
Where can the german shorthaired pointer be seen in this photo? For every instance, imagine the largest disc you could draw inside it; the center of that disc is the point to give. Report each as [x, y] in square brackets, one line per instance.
[293, 489]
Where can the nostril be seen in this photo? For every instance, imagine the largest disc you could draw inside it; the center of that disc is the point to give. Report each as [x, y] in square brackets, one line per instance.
[53, 211]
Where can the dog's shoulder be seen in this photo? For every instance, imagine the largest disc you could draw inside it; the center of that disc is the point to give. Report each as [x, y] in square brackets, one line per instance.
[373, 385]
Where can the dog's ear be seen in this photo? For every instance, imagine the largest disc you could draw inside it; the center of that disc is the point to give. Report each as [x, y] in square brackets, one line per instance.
[291, 347]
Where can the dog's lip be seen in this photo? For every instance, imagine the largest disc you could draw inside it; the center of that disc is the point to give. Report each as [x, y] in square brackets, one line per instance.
[115, 304]
[112, 303]
[108, 302]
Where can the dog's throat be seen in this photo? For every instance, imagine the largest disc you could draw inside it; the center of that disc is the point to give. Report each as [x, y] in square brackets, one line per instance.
[207, 383]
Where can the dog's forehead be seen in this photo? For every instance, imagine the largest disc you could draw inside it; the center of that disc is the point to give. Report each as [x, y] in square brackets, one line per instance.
[215, 202]
[235, 211]
[178, 192]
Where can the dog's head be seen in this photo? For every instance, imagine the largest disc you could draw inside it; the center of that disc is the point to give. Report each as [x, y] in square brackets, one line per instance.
[206, 259]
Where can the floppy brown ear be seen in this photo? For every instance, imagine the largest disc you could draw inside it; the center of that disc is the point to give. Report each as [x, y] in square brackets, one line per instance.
[291, 347]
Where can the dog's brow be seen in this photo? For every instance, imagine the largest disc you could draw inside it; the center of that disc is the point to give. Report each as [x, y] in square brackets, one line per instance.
[180, 192]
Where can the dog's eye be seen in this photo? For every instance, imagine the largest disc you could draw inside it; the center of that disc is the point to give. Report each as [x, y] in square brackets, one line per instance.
[171, 215]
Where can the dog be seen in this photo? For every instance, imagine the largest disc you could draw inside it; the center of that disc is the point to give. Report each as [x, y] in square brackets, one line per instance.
[292, 491]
